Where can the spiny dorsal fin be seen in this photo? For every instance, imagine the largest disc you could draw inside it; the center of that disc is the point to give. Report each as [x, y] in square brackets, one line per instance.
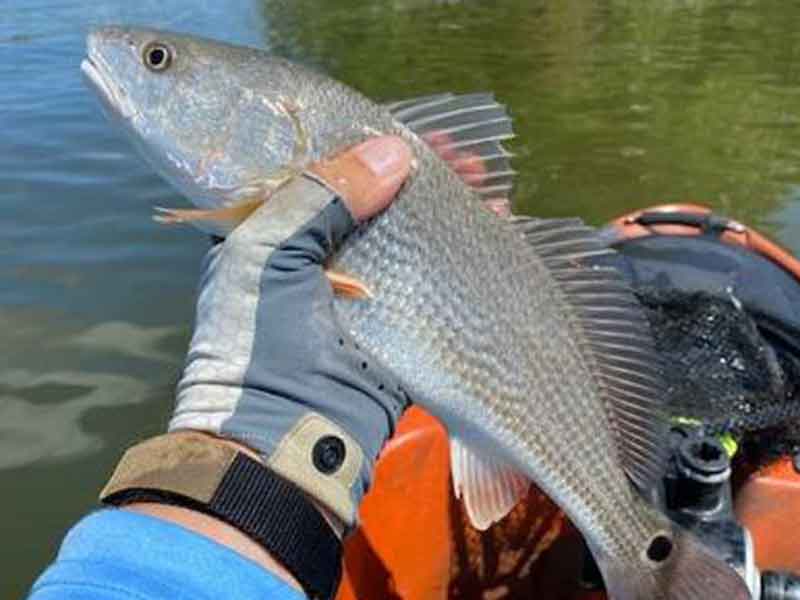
[463, 129]
[490, 488]
[615, 334]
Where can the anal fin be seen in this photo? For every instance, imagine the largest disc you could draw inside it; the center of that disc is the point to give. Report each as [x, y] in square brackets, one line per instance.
[490, 489]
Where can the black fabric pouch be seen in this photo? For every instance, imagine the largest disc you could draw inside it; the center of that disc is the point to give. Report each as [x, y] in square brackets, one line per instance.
[727, 322]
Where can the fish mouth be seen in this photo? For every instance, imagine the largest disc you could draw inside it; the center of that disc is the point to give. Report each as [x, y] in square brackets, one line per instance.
[111, 94]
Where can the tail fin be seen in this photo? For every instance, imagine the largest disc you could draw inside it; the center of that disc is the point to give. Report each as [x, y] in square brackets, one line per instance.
[687, 571]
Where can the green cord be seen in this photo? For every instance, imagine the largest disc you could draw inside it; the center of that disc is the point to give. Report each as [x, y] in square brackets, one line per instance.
[726, 439]
[729, 443]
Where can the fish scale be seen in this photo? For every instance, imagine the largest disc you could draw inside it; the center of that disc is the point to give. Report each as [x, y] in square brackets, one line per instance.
[541, 369]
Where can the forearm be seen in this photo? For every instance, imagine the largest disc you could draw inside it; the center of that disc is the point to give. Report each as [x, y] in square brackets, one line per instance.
[220, 532]
[126, 555]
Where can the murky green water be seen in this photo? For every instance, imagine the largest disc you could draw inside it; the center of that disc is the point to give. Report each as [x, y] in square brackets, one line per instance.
[618, 104]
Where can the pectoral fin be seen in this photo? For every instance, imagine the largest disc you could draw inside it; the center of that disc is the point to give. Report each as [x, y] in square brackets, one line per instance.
[231, 216]
[347, 286]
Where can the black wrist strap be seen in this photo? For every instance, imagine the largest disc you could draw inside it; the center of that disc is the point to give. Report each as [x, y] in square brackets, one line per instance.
[273, 512]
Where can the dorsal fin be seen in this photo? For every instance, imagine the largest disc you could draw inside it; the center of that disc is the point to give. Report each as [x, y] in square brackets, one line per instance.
[462, 129]
[612, 328]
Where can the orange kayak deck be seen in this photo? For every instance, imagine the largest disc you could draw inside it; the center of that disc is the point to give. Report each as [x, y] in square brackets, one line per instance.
[414, 541]
[768, 504]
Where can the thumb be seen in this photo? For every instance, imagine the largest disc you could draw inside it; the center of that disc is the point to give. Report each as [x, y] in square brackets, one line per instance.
[303, 221]
[366, 176]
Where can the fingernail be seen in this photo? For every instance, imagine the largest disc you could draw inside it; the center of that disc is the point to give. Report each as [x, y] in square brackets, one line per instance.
[384, 156]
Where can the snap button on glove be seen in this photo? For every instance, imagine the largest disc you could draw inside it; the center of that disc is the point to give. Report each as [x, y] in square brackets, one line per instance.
[269, 365]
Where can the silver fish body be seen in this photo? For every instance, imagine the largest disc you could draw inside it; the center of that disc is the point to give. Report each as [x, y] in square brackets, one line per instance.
[488, 322]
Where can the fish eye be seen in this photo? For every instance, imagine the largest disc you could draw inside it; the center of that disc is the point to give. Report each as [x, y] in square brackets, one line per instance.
[156, 56]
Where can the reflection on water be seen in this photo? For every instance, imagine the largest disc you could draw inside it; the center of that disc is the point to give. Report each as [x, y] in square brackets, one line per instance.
[129, 340]
[617, 104]
[40, 414]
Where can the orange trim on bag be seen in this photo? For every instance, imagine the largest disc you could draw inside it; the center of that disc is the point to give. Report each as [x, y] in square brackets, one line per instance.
[628, 227]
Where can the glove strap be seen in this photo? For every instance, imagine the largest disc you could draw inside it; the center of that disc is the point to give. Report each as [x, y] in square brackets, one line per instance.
[196, 471]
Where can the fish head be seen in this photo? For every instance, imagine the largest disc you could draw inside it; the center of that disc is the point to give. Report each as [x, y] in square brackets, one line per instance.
[215, 120]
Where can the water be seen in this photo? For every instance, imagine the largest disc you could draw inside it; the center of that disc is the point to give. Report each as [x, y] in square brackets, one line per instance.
[618, 104]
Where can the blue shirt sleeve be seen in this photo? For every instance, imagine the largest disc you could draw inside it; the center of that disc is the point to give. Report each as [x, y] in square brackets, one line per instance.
[121, 555]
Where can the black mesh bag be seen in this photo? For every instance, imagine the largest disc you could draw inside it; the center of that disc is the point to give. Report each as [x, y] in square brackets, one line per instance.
[727, 322]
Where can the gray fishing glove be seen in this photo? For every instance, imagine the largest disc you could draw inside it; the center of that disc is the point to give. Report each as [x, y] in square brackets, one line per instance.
[269, 365]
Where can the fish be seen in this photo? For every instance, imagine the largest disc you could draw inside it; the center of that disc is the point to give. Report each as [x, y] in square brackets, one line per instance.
[541, 366]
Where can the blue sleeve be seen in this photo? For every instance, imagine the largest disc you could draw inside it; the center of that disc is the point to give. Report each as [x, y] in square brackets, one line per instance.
[121, 555]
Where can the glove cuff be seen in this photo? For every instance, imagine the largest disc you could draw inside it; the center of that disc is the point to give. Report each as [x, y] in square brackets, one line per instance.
[322, 460]
[199, 472]
[305, 448]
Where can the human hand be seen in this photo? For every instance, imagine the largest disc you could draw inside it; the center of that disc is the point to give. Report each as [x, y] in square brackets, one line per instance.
[269, 365]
